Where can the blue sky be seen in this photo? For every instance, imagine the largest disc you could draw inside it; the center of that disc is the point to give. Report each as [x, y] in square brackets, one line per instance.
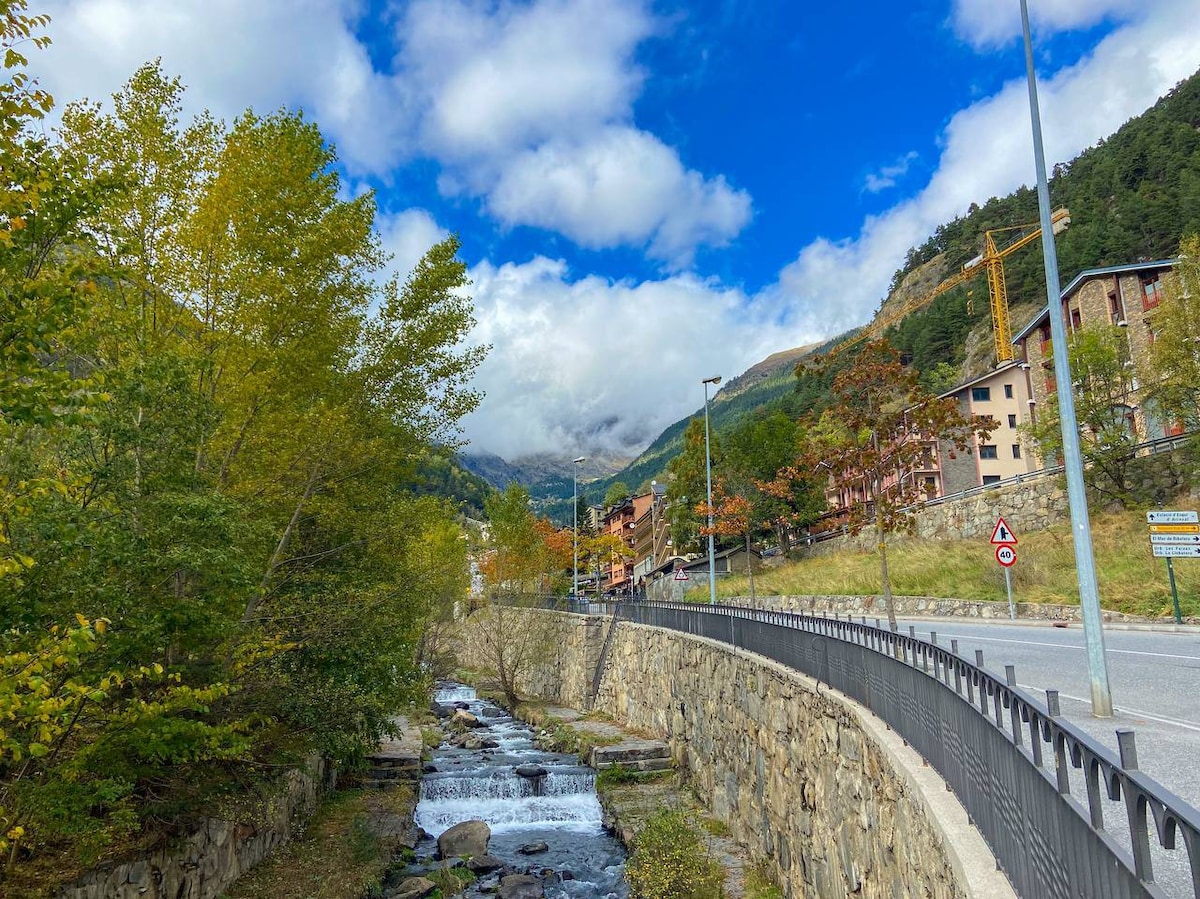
[650, 191]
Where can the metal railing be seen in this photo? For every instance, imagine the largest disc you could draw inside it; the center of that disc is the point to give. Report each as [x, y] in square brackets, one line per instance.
[1035, 785]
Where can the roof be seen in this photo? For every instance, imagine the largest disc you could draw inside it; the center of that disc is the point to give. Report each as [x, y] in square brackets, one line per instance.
[991, 374]
[1088, 275]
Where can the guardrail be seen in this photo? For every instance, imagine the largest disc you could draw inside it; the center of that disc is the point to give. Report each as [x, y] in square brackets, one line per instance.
[1036, 786]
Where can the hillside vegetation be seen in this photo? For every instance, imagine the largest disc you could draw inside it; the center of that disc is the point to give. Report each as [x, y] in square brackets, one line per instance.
[1133, 196]
[1130, 579]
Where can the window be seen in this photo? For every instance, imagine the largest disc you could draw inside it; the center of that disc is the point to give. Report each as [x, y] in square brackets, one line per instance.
[988, 451]
[1016, 450]
[1012, 421]
[1045, 335]
[1008, 393]
[989, 479]
[1151, 290]
[981, 394]
[1076, 320]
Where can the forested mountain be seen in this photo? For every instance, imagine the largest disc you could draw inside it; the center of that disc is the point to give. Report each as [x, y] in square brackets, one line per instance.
[1132, 196]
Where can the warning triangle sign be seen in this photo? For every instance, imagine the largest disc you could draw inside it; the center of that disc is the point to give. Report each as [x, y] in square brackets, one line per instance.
[1003, 535]
[681, 574]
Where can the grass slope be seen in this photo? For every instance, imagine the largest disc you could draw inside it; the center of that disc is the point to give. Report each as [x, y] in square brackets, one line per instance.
[1130, 579]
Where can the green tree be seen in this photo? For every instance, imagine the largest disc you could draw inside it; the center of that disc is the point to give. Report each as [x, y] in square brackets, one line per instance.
[1174, 377]
[616, 494]
[689, 486]
[880, 422]
[1103, 387]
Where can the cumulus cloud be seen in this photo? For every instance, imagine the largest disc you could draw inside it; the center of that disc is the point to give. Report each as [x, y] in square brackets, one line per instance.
[987, 151]
[407, 236]
[568, 367]
[988, 23]
[616, 188]
[494, 92]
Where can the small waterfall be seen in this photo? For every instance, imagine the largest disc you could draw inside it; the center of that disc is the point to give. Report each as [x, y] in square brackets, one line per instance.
[554, 802]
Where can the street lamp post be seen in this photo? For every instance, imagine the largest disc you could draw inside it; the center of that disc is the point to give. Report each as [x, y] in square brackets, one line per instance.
[1085, 563]
[712, 565]
[575, 525]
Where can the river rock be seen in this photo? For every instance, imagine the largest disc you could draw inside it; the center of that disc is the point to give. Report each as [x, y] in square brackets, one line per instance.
[465, 840]
[484, 864]
[475, 742]
[529, 771]
[413, 888]
[463, 718]
[520, 886]
[534, 848]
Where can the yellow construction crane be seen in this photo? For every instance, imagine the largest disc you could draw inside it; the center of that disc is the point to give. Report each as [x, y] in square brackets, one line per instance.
[992, 260]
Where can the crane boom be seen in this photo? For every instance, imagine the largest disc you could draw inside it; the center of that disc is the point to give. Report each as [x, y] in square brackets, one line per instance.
[992, 260]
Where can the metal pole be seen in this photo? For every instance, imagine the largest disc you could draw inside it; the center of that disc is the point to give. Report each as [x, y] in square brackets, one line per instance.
[1085, 565]
[712, 565]
[1012, 609]
[575, 526]
[1174, 591]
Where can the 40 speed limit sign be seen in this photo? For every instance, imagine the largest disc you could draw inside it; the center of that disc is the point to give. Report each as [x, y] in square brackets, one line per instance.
[1006, 556]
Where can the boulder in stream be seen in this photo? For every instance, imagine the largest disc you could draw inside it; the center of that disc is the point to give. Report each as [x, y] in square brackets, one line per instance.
[463, 718]
[534, 848]
[484, 864]
[465, 840]
[413, 888]
[529, 771]
[520, 886]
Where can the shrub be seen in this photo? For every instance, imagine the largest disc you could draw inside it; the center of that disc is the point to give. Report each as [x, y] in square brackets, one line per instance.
[670, 862]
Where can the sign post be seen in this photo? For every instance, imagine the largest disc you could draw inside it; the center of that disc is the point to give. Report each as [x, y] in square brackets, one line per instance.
[1004, 540]
[1174, 533]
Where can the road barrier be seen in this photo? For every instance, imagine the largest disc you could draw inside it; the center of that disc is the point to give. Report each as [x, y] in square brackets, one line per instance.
[1036, 786]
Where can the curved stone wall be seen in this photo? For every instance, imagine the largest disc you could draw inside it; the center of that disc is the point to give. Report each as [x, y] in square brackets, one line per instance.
[835, 803]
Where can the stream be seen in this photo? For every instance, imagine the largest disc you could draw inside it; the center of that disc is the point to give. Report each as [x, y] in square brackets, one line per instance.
[558, 808]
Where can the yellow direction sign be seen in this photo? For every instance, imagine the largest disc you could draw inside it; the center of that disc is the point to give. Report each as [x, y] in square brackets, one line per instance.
[1175, 529]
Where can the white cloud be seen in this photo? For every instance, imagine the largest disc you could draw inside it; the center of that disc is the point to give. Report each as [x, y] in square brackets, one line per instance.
[492, 91]
[568, 368]
[617, 188]
[407, 236]
[988, 151]
[989, 23]
[886, 177]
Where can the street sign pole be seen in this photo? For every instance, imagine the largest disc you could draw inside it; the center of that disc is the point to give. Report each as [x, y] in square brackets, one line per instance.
[1174, 591]
[1012, 608]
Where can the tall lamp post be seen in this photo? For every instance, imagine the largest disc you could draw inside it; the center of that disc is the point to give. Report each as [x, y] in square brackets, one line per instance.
[1085, 563]
[712, 565]
[575, 525]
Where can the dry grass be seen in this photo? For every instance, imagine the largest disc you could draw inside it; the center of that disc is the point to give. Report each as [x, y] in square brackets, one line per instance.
[1130, 578]
[336, 857]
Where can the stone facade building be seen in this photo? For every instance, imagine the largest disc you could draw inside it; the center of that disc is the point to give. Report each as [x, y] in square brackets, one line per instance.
[1125, 296]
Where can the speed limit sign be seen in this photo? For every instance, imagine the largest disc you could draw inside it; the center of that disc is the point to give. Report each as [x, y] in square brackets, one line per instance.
[1006, 556]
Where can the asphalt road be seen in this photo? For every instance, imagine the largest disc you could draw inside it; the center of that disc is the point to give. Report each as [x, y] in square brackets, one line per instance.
[1154, 678]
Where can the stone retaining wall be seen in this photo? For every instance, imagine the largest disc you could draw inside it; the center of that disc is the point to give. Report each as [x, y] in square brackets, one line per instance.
[216, 854]
[801, 776]
[920, 607]
[1035, 504]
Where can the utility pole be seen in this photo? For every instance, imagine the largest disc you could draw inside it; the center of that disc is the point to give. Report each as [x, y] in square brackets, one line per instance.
[1085, 564]
[575, 525]
[712, 565]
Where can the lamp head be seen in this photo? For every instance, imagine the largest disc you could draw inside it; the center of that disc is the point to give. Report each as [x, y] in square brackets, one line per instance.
[715, 379]
[580, 459]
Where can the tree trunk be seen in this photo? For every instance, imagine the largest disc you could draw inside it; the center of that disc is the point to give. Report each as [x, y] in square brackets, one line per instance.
[750, 571]
[881, 536]
[280, 548]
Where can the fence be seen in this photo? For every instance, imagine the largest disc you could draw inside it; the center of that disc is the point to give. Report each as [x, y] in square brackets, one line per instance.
[1035, 786]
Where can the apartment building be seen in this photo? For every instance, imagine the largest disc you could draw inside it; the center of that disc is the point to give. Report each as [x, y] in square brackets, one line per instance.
[1002, 395]
[1127, 296]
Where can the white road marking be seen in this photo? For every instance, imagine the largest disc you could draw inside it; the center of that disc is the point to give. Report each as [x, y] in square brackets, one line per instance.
[1132, 652]
[1177, 722]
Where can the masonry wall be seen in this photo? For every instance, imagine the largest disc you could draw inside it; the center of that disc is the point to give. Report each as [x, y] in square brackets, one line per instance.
[215, 854]
[795, 772]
